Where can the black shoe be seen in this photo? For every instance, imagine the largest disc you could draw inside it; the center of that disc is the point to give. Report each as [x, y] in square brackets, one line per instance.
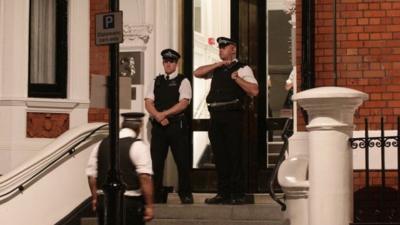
[160, 197]
[218, 199]
[186, 199]
[238, 200]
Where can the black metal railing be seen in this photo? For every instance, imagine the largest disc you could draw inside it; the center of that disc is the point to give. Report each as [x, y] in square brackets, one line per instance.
[21, 187]
[287, 132]
[377, 202]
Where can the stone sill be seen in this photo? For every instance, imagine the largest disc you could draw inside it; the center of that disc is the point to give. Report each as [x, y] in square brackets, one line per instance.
[45, 103]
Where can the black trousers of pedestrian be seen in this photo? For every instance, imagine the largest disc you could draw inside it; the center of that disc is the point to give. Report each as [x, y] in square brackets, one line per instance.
[133, 210]
[225, 134]
[174, 135]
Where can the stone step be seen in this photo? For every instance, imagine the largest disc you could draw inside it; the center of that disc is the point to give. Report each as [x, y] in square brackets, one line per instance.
[265, 211]
[199, 198]
[93, 221]
[211, 222]
[219, 212]
[89, 221]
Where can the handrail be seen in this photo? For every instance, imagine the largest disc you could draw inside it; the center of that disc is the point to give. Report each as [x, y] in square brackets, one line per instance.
[20, 179]
[287, 132]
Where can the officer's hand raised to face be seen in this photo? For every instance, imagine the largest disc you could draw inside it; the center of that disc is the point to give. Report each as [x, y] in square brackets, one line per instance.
[224, 63]
[235, 75]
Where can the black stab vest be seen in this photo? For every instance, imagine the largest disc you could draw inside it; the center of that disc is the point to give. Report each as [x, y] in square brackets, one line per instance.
[166, 92]
[223, 87]
[127, 168]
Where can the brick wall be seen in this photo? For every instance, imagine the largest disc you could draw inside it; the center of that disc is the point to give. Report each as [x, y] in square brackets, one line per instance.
[99, 57]
[368, 41]
[375, 179]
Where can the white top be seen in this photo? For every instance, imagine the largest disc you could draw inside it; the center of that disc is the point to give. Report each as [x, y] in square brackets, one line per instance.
[185, 90]
[139, 154]
[246, 73]
[291, 76]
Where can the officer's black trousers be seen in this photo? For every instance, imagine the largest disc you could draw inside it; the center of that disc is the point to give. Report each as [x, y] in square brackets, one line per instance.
[225, 135]
[133, 210]
[174, 135]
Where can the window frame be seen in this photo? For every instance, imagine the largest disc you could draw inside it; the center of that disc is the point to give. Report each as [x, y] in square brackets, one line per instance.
[59, 89]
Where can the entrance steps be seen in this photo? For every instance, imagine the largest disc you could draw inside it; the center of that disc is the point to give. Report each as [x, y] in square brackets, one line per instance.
[263, 212]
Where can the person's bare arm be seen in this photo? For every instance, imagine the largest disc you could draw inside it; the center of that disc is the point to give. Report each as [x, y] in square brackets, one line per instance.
[149, 105]
[251, 89]
[288, 86]
[177, 108]
[146, 185]
[93, 190]
[203, 71]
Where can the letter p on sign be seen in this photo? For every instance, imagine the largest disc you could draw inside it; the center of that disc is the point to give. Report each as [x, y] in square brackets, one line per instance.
[108, 21]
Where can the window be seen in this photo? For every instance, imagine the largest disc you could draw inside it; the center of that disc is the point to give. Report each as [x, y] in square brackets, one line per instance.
[197, 15]
[48, 49]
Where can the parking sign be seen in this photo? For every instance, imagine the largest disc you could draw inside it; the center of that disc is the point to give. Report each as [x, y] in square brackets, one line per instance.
[109, 28]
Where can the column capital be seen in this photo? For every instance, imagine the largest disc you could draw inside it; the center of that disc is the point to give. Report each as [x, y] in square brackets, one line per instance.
[330, 107]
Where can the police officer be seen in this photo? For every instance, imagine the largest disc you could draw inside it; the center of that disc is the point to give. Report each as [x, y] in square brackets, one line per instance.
[167, 98]
[135, 168]
[231, 81]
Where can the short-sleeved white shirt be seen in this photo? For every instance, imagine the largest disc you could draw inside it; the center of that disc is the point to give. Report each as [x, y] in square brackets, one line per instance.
[185, 90]
[291, 76]
[139, 154]
[246, 73]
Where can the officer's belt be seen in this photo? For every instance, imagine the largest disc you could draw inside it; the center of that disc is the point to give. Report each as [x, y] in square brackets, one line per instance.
[175, 118]
[218, 104]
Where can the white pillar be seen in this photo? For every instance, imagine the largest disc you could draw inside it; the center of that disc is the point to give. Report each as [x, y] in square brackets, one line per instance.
[293, 178]
[330, 115]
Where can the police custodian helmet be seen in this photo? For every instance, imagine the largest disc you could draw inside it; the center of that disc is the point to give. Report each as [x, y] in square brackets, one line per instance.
[224, 41]
[133, 116]
[170, 54]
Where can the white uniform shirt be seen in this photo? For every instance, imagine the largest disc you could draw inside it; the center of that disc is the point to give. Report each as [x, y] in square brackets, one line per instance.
[185, 90]
[246, 73]
[139, 154]
[291, 76]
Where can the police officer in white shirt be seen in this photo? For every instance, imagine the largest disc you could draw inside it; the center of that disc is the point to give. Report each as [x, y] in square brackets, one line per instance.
[231, 81]
[167, 98]
[136, 171]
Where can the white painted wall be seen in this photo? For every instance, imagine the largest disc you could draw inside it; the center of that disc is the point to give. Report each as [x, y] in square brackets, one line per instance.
[276, 4]
[15, 148]
[60, 190]
[375, 153]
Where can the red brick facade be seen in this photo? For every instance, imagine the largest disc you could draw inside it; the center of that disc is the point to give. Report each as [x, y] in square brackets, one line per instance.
[46, 125]
[375, 179]
[99, 57]
[368, 53]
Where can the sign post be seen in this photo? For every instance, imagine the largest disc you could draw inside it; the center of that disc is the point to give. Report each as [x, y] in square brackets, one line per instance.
[109, 32]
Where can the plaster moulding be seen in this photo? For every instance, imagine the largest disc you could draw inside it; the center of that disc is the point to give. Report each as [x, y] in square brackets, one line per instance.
[137, 35]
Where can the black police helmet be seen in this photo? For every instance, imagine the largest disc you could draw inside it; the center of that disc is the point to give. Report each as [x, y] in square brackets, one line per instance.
[224, 41]
[170, 54]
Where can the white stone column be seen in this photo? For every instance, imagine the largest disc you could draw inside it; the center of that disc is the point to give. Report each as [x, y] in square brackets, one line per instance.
[330, 116]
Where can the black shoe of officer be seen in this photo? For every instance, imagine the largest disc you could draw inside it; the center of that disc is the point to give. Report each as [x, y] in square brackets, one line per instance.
[186, 199]
[218, 199]
[160, 197]
[238, 200]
